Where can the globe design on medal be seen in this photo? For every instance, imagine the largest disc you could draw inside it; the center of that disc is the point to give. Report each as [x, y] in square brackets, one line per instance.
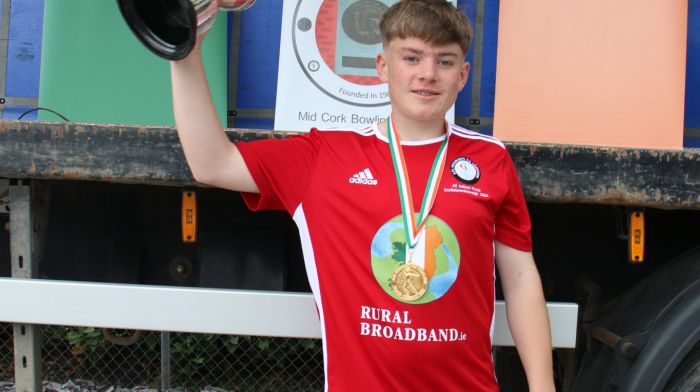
[441, 257]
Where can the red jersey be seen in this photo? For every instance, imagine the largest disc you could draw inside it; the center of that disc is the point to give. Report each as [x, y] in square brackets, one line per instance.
[341, 190]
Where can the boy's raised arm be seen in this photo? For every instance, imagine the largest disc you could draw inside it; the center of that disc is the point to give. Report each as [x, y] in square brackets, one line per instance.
[212, 158]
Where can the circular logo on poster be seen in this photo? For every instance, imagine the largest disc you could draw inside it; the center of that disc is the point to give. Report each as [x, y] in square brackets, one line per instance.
[442, 257]
[465, 170]
[336, 44]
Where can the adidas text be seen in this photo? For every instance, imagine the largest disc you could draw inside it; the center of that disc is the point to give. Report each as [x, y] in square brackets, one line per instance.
[364, 181]
[364, 177]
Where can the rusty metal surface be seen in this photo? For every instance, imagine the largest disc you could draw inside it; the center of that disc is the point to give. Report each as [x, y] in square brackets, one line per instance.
[668, 179]
[153, 155]
[98, 152]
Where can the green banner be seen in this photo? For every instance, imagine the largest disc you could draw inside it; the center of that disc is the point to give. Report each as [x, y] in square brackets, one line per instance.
[94, 69]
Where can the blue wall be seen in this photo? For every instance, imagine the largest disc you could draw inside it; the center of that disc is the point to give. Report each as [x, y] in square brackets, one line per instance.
[692, 81]
[24, 54]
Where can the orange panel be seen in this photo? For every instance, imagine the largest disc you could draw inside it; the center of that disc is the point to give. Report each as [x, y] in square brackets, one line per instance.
[189, 216]
[596, 72]
[636, 237]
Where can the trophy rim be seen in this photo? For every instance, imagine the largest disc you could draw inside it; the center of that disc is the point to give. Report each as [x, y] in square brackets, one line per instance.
[151, 40]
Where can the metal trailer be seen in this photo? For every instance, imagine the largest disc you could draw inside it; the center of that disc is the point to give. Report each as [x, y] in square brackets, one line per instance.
[102, 204]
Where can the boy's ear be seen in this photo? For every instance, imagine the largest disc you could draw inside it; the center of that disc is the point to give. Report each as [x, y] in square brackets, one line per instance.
[380, 63]
[464, 75]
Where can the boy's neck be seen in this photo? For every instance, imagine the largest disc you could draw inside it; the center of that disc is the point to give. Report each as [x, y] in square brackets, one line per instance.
[414, 131]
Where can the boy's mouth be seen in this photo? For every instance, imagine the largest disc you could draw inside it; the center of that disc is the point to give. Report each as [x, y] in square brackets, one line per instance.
[425, 93]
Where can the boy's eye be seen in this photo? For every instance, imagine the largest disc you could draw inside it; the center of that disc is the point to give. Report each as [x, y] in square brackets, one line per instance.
[446, 63]
[410, 59]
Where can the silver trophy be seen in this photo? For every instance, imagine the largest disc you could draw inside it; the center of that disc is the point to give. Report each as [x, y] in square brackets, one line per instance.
[169, 28]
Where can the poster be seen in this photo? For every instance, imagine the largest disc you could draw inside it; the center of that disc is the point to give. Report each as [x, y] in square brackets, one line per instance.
[327, 76]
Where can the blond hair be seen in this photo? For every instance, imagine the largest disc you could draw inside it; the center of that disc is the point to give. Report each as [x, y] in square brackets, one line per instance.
[437, 22]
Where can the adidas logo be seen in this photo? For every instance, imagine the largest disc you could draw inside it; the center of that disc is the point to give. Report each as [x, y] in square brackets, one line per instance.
[364, 177]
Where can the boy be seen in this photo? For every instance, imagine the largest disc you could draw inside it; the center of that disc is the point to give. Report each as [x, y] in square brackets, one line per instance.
[405, 295]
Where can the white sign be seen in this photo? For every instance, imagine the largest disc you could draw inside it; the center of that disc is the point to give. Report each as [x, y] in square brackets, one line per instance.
[327, 74]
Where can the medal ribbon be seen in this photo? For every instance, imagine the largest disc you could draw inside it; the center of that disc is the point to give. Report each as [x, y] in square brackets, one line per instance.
[413, 226]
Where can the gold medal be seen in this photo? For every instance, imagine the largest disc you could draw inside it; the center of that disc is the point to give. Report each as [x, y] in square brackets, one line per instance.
[409, 282]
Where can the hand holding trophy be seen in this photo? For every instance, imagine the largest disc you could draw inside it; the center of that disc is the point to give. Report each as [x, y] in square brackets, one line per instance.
[169, 28]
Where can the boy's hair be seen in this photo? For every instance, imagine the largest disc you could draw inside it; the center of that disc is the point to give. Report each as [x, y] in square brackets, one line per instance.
[435, 21]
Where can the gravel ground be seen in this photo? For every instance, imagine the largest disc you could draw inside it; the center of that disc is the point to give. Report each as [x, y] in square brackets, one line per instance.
[89, 386]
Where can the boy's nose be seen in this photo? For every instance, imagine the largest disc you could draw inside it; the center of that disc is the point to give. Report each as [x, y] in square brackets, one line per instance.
[428, 70]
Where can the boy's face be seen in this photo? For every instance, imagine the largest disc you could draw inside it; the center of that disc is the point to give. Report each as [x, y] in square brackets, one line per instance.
[423, 79]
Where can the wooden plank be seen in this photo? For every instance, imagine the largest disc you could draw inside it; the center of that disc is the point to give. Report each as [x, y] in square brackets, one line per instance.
[98, 152]
[667, 179]
[152, 155]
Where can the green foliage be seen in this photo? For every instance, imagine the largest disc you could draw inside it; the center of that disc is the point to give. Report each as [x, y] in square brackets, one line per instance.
[196, 357]
[70, 353]
[230, 343]
[151, 340]
[242, 363]
[190, 352]
[263, 344]
[308, 344]
[84, 339]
